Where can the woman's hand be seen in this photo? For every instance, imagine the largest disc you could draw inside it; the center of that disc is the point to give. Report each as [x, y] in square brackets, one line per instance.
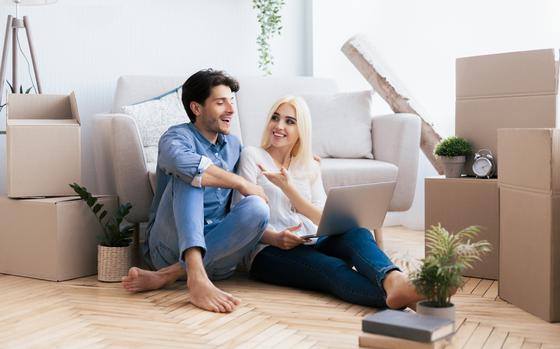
[279, 179]
[287, 239]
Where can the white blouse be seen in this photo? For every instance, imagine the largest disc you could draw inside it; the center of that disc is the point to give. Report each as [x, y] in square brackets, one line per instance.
[283, 214]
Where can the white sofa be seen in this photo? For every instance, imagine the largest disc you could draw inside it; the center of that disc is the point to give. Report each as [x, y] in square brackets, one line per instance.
[119, 150]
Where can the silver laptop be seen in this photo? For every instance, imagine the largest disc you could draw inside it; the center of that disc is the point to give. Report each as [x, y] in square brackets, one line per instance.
[349, 207]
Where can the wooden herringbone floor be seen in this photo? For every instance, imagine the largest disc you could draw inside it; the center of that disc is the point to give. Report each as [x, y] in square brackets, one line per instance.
[84, 313]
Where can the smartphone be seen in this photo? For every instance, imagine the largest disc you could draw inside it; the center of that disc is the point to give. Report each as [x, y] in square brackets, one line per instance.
[308, 236]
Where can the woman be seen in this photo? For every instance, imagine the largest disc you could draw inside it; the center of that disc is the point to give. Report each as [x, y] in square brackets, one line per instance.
[284, 166]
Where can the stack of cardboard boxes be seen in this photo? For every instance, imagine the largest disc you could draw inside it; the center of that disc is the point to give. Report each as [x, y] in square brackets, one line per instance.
[529, 180]
[45, 231]
[516, 92]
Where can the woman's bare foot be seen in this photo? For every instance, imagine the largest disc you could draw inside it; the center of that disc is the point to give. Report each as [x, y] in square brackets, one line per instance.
[208, 297]
[139, 280]
[400, 291]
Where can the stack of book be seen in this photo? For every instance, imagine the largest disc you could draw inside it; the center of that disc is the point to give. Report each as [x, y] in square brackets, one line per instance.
[392, 329]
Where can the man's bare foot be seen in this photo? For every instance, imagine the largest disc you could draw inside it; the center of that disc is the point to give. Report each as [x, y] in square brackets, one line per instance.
[400, 291]
[139, 280]
[208, 297]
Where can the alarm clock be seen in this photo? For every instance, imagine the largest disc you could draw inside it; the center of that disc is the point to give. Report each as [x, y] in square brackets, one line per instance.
[484, 164]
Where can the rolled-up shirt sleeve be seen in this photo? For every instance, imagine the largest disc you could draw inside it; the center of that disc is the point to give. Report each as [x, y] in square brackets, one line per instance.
[177, 157]
[202, 166]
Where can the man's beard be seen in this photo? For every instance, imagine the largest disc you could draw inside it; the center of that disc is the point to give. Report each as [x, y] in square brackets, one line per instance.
[215, 127]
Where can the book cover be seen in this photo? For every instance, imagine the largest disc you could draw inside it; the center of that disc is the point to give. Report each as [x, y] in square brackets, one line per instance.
[406, 325]
[370, 340]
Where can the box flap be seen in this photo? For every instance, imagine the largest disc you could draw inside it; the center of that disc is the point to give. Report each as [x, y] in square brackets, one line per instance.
[56, 200]
[40, 106]
[506, 74]
[42, 122]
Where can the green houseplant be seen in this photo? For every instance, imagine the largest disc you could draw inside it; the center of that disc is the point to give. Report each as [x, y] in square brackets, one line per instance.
[113, 250]
[270, 24]
[440, 273]
[453, 151]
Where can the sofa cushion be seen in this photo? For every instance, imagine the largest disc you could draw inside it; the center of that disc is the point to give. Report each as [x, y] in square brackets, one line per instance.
[257, 94]
[340, 172]
[133, 89]
[154, 116]
[341, 124]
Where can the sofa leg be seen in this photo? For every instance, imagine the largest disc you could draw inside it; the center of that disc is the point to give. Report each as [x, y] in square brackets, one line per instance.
[378, 233]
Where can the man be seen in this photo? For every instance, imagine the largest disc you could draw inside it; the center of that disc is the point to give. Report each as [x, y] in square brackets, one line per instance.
[191, 231]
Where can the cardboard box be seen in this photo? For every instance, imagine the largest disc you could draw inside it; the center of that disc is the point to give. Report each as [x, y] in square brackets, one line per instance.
[530, 159]
[530, 251]
[53, 239]
[43, 145]
[508, 90]
[457, 203]
[530, 220]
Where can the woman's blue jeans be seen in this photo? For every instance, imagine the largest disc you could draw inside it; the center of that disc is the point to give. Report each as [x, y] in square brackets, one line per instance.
[327, 267]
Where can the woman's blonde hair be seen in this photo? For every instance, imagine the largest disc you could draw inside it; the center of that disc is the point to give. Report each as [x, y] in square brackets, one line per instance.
[302, 153]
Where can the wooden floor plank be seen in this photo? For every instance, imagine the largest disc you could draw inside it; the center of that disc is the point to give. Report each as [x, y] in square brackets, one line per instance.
[496, 339]
[479, 336]
[469, 286]
[492, 291]
[513, 342]
[482, 287]
[85, 313]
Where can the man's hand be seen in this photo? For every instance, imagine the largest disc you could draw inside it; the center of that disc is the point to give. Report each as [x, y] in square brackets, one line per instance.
[248, 188]
[287, 239]
[279, 179]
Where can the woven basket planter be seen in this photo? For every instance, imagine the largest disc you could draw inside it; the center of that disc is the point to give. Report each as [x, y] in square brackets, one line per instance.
[112, 263]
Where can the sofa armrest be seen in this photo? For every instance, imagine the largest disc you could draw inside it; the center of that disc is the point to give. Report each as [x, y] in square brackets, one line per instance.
[396, 139]
[129, 168]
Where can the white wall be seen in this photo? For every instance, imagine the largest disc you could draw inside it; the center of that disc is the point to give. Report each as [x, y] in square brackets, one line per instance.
[85, 45]
[420, 40]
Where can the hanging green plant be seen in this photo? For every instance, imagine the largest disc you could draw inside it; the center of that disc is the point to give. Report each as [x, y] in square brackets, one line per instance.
[270, 24]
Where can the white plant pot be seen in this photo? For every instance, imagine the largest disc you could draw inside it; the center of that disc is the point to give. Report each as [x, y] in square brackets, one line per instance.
[453, 166]
[424, 308]
[112, 263]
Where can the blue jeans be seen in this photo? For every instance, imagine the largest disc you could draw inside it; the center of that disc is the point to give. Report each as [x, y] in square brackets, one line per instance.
[180, 225]
[327, 267]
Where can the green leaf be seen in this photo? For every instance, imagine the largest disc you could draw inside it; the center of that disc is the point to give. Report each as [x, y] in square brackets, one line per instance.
[448, 255]
[97, 207]
[269, 20]
[112, 234]
[453, 146]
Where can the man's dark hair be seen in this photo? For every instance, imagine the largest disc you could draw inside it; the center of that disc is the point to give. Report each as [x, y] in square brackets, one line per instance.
[197, 87]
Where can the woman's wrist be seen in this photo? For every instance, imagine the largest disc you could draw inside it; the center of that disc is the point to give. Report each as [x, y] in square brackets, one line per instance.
[288, 189]
[270, 237]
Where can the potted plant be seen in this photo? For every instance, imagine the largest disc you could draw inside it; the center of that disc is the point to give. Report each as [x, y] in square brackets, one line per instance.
[113, 250]
[440, 273]
[452, 151]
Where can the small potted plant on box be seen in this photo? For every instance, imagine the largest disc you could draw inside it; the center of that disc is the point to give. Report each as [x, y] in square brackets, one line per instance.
[440, 273]
[453, 151]
[113, 250]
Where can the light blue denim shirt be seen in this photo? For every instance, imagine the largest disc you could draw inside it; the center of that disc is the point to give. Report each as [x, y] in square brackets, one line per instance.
[185, 154]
